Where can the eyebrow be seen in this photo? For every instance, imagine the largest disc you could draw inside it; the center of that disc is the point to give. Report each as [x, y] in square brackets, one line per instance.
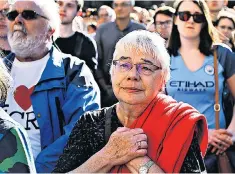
[147, 61]
[170, 20]
[124, 58]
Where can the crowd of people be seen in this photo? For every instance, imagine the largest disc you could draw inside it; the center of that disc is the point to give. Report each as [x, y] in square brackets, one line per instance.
[115, 89]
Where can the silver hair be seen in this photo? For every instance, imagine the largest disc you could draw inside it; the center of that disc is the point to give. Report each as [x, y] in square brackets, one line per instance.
[109, 10]
[132, 2]
[51, 10]
[147, 43]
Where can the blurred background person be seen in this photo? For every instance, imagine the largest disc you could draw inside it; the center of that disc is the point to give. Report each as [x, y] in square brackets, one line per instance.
[73, 42]
[78, 24]
[163, 20]
[4, 45]
[215, 6]
[91, 30]
[193, 74]
[105, 14]
[143, 15]
[151, 26]
[226, 25]
[107, 36]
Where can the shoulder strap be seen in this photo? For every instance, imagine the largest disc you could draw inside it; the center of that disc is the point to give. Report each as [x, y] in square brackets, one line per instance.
[78, 46]
[217, 105]
[108, 117]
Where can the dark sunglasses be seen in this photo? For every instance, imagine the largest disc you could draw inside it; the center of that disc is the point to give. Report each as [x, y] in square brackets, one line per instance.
[26, 14]
[186, 15]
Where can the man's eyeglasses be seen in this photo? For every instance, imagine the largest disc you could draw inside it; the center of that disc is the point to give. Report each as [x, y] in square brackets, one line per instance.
[164, 24]
[26, 14]
[226, 27]
[142, 68]
[186, 15]
[124, 4]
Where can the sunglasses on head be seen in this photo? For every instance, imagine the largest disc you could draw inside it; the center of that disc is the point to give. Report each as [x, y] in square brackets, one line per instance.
[26, 14]
[197, 17]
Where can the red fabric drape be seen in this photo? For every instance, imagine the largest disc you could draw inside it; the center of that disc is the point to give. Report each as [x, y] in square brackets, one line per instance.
[170, 126]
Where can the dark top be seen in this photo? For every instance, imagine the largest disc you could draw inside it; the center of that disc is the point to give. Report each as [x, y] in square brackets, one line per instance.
[81, 46]
[88, 137]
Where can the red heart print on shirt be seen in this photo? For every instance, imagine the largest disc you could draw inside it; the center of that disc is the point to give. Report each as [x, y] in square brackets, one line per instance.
[22, 96]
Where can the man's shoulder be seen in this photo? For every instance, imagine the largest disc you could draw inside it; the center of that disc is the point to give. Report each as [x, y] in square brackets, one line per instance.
[72, 64]
[85, 38]
[57, 54]
[76, 70]
[138, 25]
[106, 25]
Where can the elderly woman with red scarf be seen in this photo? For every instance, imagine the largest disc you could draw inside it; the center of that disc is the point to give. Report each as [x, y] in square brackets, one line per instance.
[146, 131]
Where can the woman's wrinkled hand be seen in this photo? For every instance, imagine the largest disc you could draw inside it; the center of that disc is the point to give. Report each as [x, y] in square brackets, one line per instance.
[125, 144]
[219, 140]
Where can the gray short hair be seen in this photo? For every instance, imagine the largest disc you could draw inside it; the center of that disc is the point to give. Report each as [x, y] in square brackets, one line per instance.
[131, 1]
[109, 10]
[51, 10]
[147, 43]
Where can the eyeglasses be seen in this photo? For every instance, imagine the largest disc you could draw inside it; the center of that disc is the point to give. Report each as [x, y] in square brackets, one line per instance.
[142, 68]
[197, 17]
[225, 27]
[26, 14]
[164, 24]
[124, 4]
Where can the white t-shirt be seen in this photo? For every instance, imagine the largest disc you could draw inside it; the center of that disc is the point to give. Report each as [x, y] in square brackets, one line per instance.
[18, 104]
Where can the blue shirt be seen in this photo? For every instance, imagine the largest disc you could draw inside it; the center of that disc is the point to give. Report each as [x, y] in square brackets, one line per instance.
[197, 88]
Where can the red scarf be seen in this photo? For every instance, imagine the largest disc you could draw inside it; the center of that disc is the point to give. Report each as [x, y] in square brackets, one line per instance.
[170, 127]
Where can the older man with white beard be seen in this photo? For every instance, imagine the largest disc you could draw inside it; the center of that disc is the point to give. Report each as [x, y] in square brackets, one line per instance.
[51, 90]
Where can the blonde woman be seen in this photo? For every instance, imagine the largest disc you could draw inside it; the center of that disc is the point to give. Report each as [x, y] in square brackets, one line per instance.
[15, 154]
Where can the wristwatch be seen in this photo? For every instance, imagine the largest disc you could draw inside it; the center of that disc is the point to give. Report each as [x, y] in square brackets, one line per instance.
[145, 168]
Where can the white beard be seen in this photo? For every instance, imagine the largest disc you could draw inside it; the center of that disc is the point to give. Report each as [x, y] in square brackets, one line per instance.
[24, 45]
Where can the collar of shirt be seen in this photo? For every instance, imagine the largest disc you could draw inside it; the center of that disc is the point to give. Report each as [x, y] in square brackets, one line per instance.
[128, 26]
